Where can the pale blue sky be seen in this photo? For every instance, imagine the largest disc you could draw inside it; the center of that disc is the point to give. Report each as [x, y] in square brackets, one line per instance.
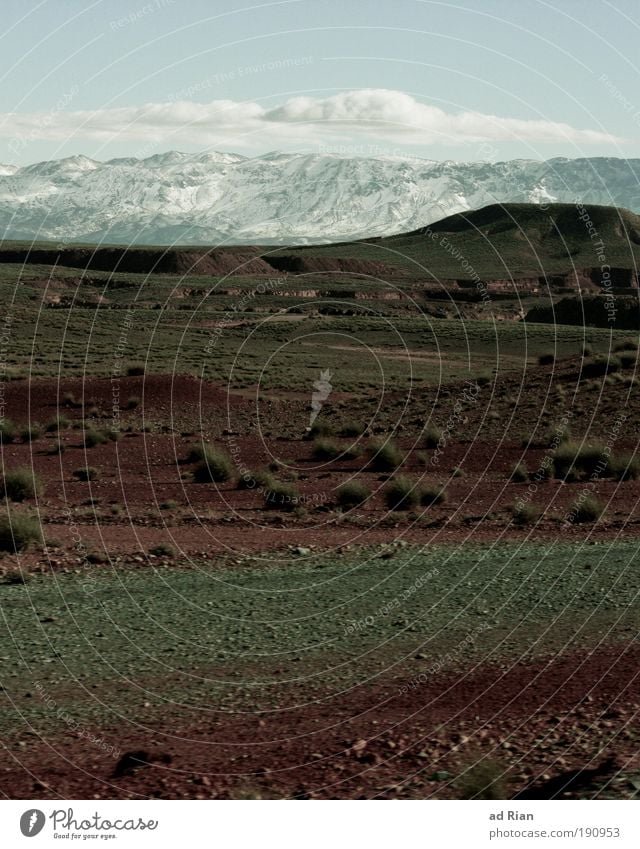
[414, 70]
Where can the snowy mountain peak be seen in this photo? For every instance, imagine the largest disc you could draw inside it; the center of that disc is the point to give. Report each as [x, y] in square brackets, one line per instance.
[283, 197]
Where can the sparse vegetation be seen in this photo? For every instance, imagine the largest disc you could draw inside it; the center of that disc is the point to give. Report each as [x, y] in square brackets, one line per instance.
[432, 495]
[57, 424]
[432, 436]
[402, 493]
[385, 457]
[31, 432]
[519, 473]
[526, 514]
[133, 402]
[86, 473]
[135, 370]
[20, 485]
[93, 437]
[7, 431]
[548, 358]
[214, 467]
[163, 549]
[587, 510]
[482, 780]
[352, 429]
[352, 494]
[281, 496]
[325, 449]
[321, 428]
[18, 532]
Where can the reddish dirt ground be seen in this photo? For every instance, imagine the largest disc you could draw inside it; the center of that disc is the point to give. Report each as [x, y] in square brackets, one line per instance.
[532, 722]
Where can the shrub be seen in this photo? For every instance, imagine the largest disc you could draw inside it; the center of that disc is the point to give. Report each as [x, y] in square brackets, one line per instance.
[352, 429]
[624, 467]
[321, 428]
[483, 780]
[169, 504]
[627, 344]
[57, 424]
[432, 436]
[600, 365]
[519, 473]
[31, 432]
[113, 434]
[587, 351]
[385, 457]
[572, 461]
[20, 485]
[18, 532]
[628, 358]
[56, 447]
[215, 467]
[86, 473]
[133, 402]
[548, 358]
[457, 472]
[402, 493]
[163, 549]
[325, 449]
[94, 437]
[69, 399]
[253, 480]
[432, 495]
[281, 496]
[588, 510]
[135, 370]
[526, 514]
[352, 494]
[7, 431]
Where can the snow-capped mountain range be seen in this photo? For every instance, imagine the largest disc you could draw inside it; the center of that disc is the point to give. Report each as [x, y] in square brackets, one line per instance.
[214, 198]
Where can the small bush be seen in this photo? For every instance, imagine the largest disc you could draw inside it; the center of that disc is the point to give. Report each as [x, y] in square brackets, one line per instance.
[587, 511]
[169, 504]
[402, 494]
[133, 402]
[57, 424]
[587, 351]
[321, 428]
[56, 447]
[519, 473]
[628, 358]
[20, 485]
[628, 344]
[457, 472]
[69, 399]
[385, 457]
[432, 495]
[7, 431]
[281, 496]
[135, 370]
[572, 461]
[547, 359]
[215, 467]
[352, 494]
[113, 434]
[18, 532]
[526, 514]
[93, 437]
[352, 429]
[483, 780]
[255, 480]
[163, 549]
[432, 436]
[623, 467]
[325, 449]
[31, 433]
[600, 365]
[86, 473]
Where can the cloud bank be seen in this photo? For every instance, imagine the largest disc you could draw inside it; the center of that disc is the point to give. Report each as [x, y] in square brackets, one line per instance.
[373, 113]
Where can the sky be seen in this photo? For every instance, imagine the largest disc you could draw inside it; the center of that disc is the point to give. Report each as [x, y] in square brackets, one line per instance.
[476, 80]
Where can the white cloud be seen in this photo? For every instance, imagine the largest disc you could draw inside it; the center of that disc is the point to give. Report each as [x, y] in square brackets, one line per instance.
[373, 113]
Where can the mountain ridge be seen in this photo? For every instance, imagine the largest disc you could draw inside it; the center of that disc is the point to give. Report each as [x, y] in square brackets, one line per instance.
[280, 198]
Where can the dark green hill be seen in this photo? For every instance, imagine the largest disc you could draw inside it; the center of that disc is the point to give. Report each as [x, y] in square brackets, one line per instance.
[500, 241]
